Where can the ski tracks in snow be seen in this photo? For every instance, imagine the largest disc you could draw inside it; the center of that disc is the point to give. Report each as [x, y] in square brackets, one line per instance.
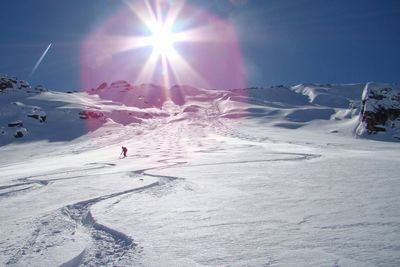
[42, 179]
[106, 246]
[110, 247]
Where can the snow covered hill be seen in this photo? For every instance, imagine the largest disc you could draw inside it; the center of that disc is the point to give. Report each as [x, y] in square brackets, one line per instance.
[244, 177]
[39, 114]
[31, 114]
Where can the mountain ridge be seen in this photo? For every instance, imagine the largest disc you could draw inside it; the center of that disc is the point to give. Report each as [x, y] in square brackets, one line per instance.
[362, 110]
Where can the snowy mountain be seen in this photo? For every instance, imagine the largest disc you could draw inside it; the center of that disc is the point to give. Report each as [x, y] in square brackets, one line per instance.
[37, 113]
[28, 114]
[273, 176]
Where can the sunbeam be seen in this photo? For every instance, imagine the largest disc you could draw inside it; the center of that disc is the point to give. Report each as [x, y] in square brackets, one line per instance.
[164, 42]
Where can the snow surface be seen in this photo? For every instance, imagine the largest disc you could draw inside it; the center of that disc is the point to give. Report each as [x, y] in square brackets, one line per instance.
[232, 180]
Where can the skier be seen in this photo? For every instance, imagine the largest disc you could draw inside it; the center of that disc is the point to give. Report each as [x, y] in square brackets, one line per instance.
[124, 151]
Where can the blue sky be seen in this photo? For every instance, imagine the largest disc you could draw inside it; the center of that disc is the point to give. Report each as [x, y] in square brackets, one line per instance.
[282, 41]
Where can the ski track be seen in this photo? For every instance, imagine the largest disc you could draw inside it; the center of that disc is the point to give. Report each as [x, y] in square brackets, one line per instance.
[300, 157]
[213, 116]
[107, 246]
[30, 180]
[111, 247]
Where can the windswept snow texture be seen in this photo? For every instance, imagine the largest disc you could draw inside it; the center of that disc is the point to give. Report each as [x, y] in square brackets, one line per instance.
[269, 177]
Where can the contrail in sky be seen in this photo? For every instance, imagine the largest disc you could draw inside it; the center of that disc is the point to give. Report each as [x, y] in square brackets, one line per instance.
[39, 61]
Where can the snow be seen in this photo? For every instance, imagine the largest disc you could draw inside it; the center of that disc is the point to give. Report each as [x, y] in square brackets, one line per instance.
[211, 182]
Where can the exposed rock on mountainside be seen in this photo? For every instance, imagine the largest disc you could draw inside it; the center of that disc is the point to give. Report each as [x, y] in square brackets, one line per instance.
[371, 111]
[16, 124]
[21, 132]
[40, 117]
[380, 112]
[9, 83]
[35, 113]
[90, 114]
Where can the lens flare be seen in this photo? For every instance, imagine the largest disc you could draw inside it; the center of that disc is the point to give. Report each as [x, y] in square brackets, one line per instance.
[165, 43]
[162, 40]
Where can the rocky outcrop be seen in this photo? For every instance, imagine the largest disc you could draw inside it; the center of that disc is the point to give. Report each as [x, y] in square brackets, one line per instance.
[380, 111]
[16, 124]
[90, 114]
[21, 132]
[5, 83]
[38, 114]
[40, 118]
[10, 83]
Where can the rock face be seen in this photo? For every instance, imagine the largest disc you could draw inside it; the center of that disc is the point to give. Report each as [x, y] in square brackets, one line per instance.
[11, 83]
[18, 111]
[21, 132]
[16, 124]
[380, 111]
[90, 114]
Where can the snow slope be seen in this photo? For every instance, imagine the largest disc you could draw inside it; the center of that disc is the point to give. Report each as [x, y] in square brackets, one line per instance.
[251, 177]
[57, 116]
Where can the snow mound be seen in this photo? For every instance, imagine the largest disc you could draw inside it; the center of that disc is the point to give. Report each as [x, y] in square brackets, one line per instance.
[279, 96]
[331, 106]
[182, 94]
[337, 96]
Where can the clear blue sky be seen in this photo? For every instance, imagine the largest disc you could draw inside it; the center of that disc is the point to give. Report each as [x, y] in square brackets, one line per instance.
[282, 41]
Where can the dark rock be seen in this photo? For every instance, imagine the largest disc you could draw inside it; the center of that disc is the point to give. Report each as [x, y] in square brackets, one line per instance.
[41, 118]
[40, 88]
[18, 134]
[90, 114]
[102, 86]
[380, 110]
[120, 84]
[4, 84]
[16, 124]
[83, 115]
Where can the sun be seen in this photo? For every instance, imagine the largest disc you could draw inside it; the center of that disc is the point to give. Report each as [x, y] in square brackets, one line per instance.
[162, 39]
[164, 42]
[177, 42]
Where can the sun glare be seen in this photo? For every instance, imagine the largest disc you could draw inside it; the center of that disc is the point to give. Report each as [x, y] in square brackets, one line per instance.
[186, 45]
[162, 40]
